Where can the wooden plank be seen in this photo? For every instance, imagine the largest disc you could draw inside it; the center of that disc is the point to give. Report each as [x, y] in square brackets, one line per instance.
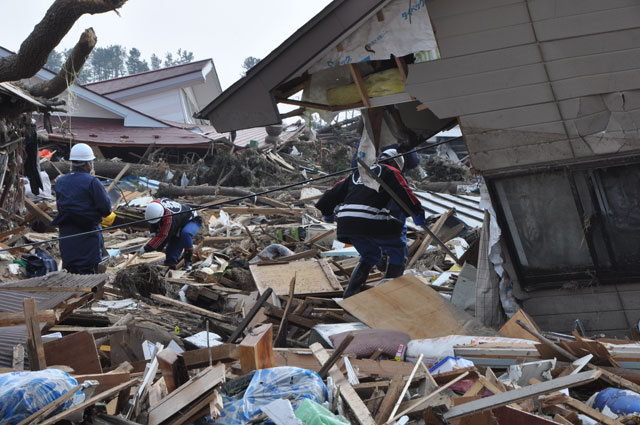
[106, 380]
[335, 356]
[406, 386]
[191, 308]
[509, 415]
[362, 90]
[90, 402]
[592, 413]
[119, 176]
[13, 319]
[264, 210]
[200, 358]
[281, 339]
[437, 226]
[91, 330]
[415, 404]
[408, 305]
[78, 351]
[249, 317]
[312, 277]
[17, 360]
[208, 379]
[390, 398]
[355, 403]
[512, 330]
[256, 349]
[35, 349]
[508, 397]
[36, 211]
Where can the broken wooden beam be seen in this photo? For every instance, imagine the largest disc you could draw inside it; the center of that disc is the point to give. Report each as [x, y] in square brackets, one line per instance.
[351, 398]
[335, 356]
[249, 317]
[191, 308]
[508, 397]
[173, 368]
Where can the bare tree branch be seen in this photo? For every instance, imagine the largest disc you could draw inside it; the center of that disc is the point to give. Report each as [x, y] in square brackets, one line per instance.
[47, 34]
[70, 70]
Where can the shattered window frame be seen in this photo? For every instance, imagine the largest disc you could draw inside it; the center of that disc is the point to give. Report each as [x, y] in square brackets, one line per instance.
[602, 198]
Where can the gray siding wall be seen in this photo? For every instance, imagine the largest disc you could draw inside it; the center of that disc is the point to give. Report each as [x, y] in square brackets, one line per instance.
[534, 83]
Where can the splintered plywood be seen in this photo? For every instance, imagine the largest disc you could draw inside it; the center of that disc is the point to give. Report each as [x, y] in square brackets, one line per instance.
[408, 305]
[312, 277]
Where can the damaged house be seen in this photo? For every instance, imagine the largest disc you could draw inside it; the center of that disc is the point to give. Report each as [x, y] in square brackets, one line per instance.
[546, 94]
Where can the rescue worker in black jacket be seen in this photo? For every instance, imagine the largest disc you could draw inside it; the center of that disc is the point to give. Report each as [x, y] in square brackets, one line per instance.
[366, 220]
[174, 225]
[82, 202]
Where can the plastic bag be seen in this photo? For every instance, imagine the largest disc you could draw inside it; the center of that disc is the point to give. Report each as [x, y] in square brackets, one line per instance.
[24, 393]
[311, 413]
[40, 263]
[272, 384]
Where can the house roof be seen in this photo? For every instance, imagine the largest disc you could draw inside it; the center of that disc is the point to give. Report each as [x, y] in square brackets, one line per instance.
[250, 101]
[112, 132]
[131, 116]
[136, 80]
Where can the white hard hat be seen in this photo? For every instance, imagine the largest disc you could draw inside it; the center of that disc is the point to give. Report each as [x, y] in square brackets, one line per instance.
[81, 152]
[390, 153]
[154, 212]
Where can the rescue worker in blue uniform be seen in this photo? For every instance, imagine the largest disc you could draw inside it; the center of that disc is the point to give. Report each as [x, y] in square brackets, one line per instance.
[366, 221]
[82, 202]
[174, 226]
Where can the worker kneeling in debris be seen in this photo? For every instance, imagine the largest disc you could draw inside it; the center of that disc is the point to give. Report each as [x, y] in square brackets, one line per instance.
[366, 221]
[82, 202]
[174, 225]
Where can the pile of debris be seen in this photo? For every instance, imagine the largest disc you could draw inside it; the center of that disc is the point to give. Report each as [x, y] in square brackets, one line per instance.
[257, 332]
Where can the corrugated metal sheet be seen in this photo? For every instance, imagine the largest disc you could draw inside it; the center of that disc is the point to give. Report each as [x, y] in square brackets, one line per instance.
[9, 337]
[467, 207]
[12, 300]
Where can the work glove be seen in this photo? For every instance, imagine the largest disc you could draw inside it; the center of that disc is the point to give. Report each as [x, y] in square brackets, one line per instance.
[329, 218]
[108, 220]
[419, 219]
[140, 251]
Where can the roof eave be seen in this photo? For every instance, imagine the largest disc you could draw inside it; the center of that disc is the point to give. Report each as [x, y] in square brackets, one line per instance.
[250, 102]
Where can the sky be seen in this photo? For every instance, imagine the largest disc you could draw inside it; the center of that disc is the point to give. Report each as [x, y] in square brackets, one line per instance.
[227, 31]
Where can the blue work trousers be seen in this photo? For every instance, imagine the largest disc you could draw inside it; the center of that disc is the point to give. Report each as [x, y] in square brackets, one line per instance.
[371, 249]
[175, 246]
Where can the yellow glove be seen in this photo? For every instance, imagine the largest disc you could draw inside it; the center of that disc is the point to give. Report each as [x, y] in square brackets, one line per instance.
[108, 220]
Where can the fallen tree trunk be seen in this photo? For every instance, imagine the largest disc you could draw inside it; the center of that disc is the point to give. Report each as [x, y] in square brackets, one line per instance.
[105, 169]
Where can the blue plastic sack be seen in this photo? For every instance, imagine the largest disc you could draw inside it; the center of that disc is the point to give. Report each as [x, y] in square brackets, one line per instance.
[272, 384]
[620, 402]
[24, 393]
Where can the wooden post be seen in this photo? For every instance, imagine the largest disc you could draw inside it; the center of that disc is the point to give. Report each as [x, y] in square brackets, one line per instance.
[34, 339]
[173, 367]
[256, 350]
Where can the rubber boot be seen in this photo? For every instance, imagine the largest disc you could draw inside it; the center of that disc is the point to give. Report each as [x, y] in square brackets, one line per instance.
[358, 278]
[187, 260]
[393, 271]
